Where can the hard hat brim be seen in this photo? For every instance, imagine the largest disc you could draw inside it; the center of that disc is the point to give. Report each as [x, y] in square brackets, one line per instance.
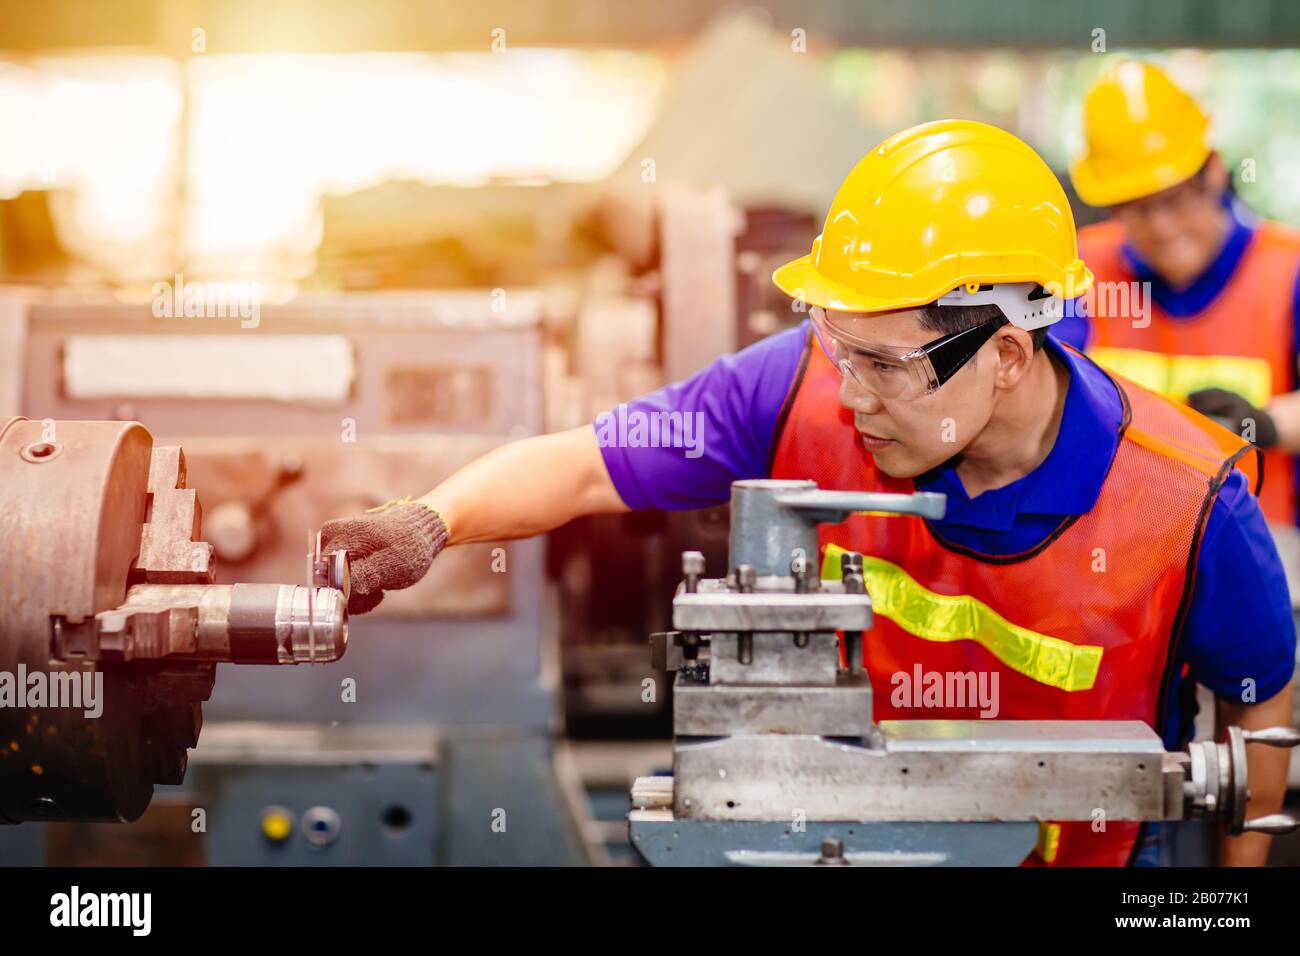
[1098, 190]
[800, 280]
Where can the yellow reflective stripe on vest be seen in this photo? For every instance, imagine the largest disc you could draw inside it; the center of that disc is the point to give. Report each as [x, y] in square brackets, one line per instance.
[923, 613]
[1177, 376]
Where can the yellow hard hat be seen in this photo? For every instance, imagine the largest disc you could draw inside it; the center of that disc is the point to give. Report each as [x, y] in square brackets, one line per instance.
[941, 205]
[1143, 134]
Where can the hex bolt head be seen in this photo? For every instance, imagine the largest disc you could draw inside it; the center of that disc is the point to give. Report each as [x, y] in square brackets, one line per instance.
[746, 578]
[832, 852]
[692, 570]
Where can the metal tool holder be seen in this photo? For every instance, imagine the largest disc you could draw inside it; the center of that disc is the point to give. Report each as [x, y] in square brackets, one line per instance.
[770, 626]
[776, 759]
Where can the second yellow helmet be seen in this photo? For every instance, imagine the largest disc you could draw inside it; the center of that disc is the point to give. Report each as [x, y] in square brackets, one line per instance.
[1142, 134]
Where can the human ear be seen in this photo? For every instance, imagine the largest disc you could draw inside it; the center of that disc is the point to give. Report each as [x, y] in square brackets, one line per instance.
[1015, 351]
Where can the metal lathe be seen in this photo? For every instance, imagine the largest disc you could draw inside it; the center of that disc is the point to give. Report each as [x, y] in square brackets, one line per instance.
[777, 761]
[111, 626]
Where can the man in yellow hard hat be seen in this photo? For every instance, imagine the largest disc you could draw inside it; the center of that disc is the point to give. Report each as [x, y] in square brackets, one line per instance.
[1219, 328]
[1091, 525]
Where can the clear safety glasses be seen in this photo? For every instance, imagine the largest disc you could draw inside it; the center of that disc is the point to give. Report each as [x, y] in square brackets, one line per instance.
[892, 371]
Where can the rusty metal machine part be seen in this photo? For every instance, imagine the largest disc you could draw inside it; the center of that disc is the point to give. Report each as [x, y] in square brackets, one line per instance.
[110, 625]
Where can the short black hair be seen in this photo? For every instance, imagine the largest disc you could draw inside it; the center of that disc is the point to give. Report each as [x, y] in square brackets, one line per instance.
[947, 319]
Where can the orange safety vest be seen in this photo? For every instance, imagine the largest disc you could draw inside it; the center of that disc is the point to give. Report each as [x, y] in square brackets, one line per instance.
[1241, 341]
[1083, 626]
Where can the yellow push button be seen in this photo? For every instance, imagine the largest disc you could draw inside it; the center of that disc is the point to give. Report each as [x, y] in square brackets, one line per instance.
[277, 824]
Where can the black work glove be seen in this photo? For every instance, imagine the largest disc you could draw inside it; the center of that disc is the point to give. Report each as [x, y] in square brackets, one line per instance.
[389, 548]
[1235, 414]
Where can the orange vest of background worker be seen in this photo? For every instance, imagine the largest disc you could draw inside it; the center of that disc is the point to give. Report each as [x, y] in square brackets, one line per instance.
[1223, 335]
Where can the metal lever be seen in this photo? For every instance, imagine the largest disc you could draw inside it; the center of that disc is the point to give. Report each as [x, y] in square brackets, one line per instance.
[832, 507]
[1273, 823]
[774, 522]
[1222, 769]
[1273, 736]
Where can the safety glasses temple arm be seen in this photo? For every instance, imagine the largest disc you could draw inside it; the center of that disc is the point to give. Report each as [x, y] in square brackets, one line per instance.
[950, 353]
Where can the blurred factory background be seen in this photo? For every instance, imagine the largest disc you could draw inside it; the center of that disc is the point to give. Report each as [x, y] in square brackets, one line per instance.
[462, 224]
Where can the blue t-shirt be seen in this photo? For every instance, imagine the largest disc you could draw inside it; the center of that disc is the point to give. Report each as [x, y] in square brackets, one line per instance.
[733, 407]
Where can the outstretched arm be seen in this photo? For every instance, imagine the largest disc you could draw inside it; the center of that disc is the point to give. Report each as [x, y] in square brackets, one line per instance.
[533, 486]
[515, 491]
[525, 488]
